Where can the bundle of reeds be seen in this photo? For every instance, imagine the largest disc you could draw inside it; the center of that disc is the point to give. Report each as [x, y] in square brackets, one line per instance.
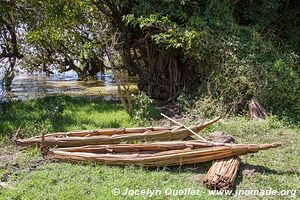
[115, 135]
[222, 174]
[157, 154]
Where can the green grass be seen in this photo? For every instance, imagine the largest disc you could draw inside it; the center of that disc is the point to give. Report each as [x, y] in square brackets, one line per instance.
[36, 178]
[60, 113]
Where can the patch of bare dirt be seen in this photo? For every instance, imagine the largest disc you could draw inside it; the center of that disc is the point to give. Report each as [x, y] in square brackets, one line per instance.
[9, 155]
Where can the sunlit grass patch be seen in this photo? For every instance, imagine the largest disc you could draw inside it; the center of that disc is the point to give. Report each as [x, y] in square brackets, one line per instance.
[60, 113]
[32, 177]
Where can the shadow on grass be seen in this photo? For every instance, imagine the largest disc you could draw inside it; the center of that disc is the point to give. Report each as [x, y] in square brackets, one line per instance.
[250, 170]
[56, 113]
[264, 170]
[199, 168]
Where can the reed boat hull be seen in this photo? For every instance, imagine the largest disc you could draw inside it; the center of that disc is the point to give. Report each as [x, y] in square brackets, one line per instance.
[157, 154]
[114, 136]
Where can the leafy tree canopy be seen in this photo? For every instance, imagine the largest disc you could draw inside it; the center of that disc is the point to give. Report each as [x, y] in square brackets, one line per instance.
[230, 50]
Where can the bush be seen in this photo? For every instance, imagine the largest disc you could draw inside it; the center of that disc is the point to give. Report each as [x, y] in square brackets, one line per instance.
[240, 51]
[281, 94]
[144, 109]
[53, 106]
[208, 107]
[203, 107]
[248, 66]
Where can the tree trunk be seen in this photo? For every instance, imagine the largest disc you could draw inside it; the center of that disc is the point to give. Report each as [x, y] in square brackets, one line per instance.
[257, 112]
[91, 67]
[165, 73]
[10, 74]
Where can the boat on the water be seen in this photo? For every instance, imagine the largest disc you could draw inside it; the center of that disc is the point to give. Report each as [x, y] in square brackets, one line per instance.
[158, 154]
[114, 135]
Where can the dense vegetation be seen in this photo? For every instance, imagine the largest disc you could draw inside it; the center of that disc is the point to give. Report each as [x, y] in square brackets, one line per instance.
[229, 51]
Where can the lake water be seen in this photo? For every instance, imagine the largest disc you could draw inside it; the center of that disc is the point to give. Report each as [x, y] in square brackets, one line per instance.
[31, 86]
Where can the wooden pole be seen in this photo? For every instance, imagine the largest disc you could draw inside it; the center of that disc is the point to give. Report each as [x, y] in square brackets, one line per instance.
[187, 128]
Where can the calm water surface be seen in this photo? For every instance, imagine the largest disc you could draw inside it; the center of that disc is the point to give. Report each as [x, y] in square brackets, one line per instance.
[31, 86]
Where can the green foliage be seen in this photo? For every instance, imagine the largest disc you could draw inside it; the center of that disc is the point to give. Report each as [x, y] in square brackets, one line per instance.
[206, 107]
[143, 109]
[65, 38]
[230, 51]
[53, 107]
[238, 51]
[185, 101]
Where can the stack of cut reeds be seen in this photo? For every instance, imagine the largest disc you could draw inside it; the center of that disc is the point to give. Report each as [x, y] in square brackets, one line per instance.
[222, 174]
[114, 135]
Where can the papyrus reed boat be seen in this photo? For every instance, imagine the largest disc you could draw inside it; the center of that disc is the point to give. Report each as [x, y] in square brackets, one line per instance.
[114, 135]
[157, 154]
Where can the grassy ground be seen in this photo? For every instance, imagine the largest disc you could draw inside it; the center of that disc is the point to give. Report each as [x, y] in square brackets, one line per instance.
[60, 113]
[27, 176]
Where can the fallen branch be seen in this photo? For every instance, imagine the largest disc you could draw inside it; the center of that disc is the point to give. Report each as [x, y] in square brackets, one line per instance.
[17, 134]
[44, 149]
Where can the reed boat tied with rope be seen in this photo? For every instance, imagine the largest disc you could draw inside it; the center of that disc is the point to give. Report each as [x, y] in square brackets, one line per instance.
[115, 135]
[157, 154]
